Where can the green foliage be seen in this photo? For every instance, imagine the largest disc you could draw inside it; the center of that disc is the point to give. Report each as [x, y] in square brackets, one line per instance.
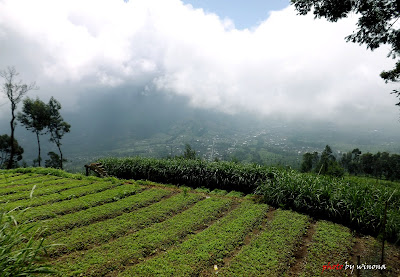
[271, 249]
[219, 192]
[109, 210]
[149, 228]
[326, 164]
[351, 202]
[35, 116]
[131, 248]
[57, 172]
[379, 165]
[5, 151]
[331, 243]
[206, 248]
[20, 251]
[57, 127]
[189, 154]
[101, 232]
[54, 161]
[194, 173]
[310, 161]
[235, 194]
[108, 195]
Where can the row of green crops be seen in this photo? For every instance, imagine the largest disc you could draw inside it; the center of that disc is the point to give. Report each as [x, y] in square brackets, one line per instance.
[31, 191]
[101, 232]
[81, 203]
[102, 212]
[71, 193]
[272, 249]
[331, 244]
[193, 173]
[200, 252]
[23, 185]
[129, 249]
[353, 202]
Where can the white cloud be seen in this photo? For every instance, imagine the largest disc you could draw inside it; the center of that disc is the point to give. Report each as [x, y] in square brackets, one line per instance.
[289, 65]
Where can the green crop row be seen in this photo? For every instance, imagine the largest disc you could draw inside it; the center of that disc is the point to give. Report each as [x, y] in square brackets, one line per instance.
[129, 249]
[108, 210]
[192, 173]
[331, 244]
[54, 172]
[355, 204]
[202, 251]
[40, 190]
[80, 203]
[100, 232]
[27, 184]
[74, 192]
[270, 252]
[6, 179]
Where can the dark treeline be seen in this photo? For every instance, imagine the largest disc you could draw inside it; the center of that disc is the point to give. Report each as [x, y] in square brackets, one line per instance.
[381, 165]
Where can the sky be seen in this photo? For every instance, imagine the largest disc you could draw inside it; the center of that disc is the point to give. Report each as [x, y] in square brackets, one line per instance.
[235, 57]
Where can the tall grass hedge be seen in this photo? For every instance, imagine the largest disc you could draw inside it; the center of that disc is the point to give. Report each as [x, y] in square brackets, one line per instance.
[192, 173]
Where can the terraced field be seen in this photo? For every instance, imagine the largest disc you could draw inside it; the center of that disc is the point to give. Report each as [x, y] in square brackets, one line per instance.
[110, 227]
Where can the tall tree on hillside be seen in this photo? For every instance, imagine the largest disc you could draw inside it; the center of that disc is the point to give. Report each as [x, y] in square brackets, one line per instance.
[376, 25]
[36, 117]
[14, 90]
[189, 154]
[5, 151]
[325, 161]
[310, 160]
[367, 163]
[57, 126]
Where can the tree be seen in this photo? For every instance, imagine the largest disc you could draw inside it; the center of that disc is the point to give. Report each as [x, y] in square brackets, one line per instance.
[328, 165]
[326, 159]
[5, 151]
[189, 153]
[36, 117]
[367, 163]
[57, 127]
[14, 90]
[310, 160]
[376, 24]
[54, 161]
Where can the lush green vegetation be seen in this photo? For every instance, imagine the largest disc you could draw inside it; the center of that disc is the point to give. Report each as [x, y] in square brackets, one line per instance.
[331, 243]
[134, 247]
[134, 228]
[101, 232]
[353, 202]
[20, 251]
[271, 249]
[380, 165]
[201, 251]
[193, 173]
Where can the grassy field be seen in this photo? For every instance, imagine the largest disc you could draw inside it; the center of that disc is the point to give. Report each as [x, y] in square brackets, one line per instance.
[111, 227]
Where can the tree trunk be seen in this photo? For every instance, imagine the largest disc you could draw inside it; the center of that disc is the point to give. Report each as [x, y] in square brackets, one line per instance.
[12, 124]
[61, 156]
[39, 158]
